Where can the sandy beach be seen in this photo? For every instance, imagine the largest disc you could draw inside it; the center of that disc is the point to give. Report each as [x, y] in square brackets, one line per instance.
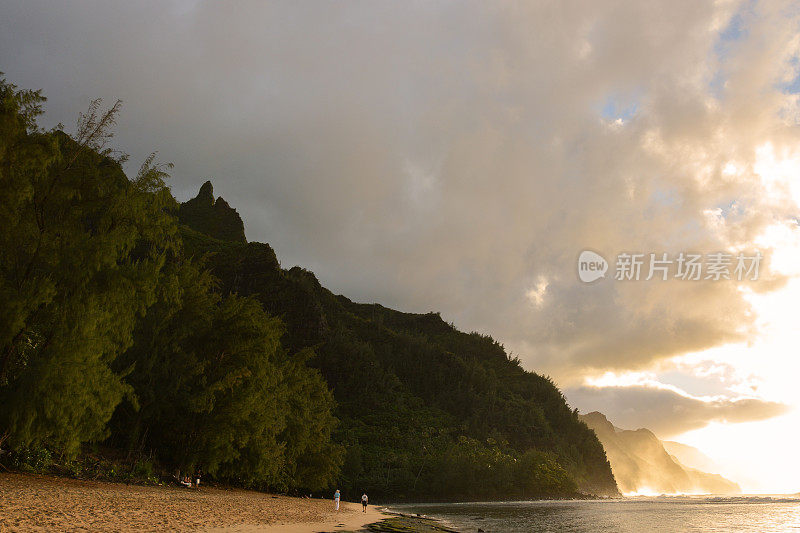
[46, 503]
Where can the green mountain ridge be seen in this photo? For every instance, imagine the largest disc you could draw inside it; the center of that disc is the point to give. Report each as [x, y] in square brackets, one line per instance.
[415, 395]
[152, 335]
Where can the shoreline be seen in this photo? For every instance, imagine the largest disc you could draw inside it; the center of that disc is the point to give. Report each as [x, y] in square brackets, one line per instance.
[355, 521]
[45, 502]
[378, 521]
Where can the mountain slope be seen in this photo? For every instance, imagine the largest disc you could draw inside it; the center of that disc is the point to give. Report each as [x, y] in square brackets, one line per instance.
[426, 411]
[642, 464]
[690, 456]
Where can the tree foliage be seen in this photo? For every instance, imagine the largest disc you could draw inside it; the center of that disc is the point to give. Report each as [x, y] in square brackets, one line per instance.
[104, 314]
[216, 390]
[82, 250]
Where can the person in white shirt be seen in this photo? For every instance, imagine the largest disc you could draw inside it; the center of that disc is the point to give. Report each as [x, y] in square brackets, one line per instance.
[364, 501]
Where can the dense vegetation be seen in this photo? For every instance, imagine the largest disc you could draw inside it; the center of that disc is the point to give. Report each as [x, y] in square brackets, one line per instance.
[425, 410]
[158, 330]
[110, 332]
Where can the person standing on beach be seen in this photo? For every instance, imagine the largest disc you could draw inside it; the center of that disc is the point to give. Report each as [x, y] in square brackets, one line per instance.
[336, 497]
[364, 501]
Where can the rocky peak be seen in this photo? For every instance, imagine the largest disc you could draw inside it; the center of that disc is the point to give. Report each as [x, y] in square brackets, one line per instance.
[214, 218]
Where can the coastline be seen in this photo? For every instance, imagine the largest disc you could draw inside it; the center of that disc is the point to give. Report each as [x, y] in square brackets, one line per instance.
[43, 502]
[376, 521]
[342, 521]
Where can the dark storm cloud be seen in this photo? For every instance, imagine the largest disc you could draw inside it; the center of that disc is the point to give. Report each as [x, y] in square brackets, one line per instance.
[451, 156]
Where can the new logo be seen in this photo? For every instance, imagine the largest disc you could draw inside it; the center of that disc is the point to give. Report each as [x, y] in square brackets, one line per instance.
[591, 266]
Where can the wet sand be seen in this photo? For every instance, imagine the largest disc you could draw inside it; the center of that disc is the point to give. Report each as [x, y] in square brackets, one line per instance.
[46, 503]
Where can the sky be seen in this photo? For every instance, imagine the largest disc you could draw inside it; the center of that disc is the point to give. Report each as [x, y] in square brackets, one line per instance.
[459, 156]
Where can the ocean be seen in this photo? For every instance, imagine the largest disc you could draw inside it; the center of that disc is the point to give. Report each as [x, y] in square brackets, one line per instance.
[640, 514]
